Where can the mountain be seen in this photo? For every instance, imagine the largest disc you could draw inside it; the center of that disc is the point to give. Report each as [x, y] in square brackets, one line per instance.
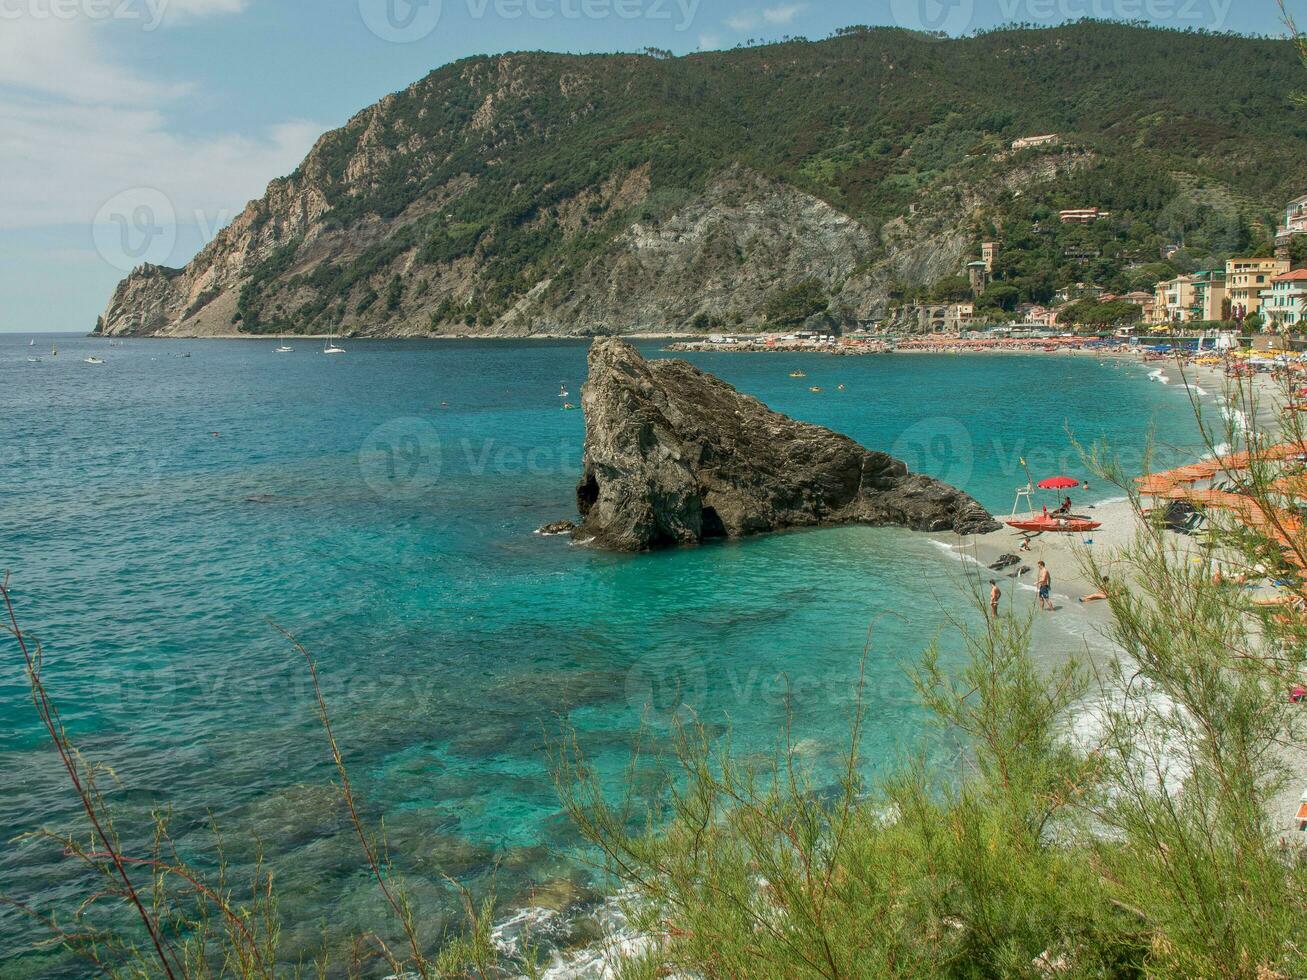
[544, 193]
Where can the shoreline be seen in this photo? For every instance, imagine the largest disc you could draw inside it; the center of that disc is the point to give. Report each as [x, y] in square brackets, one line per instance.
[292, 337]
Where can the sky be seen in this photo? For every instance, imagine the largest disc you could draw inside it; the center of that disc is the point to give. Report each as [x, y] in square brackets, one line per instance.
[134, 130]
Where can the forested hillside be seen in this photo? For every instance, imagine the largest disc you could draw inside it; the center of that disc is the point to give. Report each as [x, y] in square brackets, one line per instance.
[532, 193]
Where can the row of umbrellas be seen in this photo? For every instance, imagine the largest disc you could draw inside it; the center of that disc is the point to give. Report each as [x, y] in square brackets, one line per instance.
[1276, 523]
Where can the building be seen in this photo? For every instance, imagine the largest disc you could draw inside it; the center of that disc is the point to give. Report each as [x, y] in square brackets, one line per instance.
[988, 253]
[1173, 301]
[1083, 216]
[1036, 315]
[1246, 280]
[978, 275]
[1210, 296]
[1026, 142]
[1285, 303]
[1295, 223]
[951, 319]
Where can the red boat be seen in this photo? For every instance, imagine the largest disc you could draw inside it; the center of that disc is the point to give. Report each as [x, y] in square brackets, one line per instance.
[1056, 525]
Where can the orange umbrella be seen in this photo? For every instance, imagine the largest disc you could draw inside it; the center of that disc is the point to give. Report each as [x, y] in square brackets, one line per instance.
[1190, 474]
[1213, 498]
[1285, 450]
[1155, 485]
[1292, 486]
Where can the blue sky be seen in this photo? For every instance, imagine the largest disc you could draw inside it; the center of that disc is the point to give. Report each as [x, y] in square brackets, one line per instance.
[173, 113]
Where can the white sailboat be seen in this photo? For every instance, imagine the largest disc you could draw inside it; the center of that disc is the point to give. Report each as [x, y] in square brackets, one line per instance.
[31, 342]
[282, 348]
[330, 346]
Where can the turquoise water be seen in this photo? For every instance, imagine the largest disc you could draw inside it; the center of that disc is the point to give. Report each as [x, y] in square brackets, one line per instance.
[159, 509]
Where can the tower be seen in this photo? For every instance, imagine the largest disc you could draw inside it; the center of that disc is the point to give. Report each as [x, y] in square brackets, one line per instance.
[988, 253]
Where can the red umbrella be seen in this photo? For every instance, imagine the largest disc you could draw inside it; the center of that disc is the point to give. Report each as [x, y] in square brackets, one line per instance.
[1059, 483]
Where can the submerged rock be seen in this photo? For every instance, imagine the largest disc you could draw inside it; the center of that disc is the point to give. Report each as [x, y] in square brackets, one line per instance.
[674, 456]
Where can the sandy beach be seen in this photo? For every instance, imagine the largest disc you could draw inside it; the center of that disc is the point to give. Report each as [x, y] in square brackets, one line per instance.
[1067, 555]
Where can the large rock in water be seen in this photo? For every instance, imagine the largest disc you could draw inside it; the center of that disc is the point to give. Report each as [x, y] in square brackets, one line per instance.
[674, 456]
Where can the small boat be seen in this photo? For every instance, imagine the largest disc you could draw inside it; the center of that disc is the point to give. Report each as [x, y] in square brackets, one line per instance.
[31, 342]
[814, 388]
[569, 407]
[562, 391]
[282, 348]
[54, 350]
[92, 360]
[33, 360]
[330, 346]
[797, 374]
[1055, 525]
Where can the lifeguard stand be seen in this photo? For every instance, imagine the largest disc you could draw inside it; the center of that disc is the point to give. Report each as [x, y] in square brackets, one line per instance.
[1028, 491]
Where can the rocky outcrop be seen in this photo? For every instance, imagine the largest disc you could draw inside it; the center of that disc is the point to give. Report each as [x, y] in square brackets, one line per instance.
[674, 456]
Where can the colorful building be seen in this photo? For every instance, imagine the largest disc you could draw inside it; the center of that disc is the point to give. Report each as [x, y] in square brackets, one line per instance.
[1285, 303]
[1173, 301]
[1246, 280]
[1210, 296]
[1083, 216]
[1295, 223]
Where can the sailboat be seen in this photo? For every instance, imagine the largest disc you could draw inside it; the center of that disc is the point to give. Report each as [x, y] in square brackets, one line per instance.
[31, 342]
[54, 350]
[330, 347]
[283, 349]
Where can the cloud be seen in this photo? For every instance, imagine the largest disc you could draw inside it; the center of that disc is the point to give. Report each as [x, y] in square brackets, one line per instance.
[78, 127]
[753, 18]
[709, 42]
[783, 14]
[61, 58]
[62, 163]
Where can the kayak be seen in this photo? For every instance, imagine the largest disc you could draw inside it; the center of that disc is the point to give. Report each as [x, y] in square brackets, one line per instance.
[1056, 525]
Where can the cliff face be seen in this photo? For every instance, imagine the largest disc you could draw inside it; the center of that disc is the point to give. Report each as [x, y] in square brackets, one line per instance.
[539, 193]
[674, 456]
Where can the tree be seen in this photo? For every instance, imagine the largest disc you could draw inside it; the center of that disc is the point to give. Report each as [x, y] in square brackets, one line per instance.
[789, 307]
[1001, 296]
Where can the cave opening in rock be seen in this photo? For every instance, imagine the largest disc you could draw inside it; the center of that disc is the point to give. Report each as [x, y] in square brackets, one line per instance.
[587, 492]
[711, 525]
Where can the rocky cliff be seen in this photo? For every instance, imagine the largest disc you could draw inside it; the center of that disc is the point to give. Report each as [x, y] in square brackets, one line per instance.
[537, 193]
[674, 456]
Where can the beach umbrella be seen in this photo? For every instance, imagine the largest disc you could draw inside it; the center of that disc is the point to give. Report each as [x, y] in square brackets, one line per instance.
[1155, 484]
[1058, 483]
[1188, 474]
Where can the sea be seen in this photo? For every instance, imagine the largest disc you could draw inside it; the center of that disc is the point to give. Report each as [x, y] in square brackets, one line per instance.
[166, 511]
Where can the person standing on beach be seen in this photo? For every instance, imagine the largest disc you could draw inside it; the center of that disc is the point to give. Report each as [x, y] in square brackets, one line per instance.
[1045, 584]
[994, 595]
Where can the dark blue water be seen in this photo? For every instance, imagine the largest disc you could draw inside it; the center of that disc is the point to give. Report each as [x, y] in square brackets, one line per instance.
[160, 509]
